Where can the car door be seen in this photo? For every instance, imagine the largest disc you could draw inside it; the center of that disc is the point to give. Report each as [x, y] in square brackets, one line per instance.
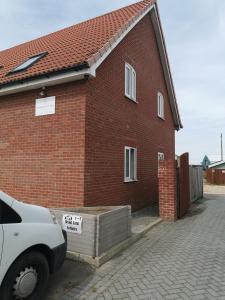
[1, 242]
[1, 232]
[9, 227]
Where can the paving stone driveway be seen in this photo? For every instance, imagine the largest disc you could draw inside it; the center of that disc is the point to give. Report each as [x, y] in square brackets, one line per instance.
[182, 260]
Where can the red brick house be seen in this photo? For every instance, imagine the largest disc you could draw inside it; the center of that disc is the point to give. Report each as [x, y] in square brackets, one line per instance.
[86, 112]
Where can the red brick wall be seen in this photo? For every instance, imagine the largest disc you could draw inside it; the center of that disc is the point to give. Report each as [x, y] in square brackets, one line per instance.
[167, 190]
[42, 158]
[113, 122]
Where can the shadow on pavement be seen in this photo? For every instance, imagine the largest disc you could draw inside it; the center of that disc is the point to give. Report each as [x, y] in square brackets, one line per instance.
[197, 208]
[70, 276]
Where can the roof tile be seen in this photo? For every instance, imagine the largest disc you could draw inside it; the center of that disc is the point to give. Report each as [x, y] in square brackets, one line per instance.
[69, 47]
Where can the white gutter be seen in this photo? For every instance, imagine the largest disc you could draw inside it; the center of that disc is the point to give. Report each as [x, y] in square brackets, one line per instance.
[54, 80]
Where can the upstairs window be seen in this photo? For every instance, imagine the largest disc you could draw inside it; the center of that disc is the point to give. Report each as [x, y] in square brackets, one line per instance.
[130, 82]
[160, 100]
[130, 164]
[28, 63]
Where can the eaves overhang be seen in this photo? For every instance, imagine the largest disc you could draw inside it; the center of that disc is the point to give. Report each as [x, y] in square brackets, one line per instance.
[91, 65]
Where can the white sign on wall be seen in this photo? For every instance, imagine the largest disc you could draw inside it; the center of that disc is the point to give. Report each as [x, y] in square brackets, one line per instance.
[45, 106]
[72, 223]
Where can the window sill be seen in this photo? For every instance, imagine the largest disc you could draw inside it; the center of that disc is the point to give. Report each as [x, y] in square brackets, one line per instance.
[131, 99]
[162, 118]
[130, 180]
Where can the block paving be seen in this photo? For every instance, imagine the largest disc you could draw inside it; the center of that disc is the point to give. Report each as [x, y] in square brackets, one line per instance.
[182, 260]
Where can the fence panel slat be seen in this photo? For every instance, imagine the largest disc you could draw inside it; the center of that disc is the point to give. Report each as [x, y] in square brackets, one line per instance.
[196, 183]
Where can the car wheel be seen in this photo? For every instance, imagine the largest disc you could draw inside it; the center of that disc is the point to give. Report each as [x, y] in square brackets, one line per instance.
[27, 278]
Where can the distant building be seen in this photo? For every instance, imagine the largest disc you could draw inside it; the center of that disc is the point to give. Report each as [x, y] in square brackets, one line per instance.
[216, 173]
[205, 163]
[220, 165]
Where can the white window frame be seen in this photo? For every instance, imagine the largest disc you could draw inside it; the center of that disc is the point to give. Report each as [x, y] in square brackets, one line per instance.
[129, 178]
[160, 106]
[130, 82]
[28, 63]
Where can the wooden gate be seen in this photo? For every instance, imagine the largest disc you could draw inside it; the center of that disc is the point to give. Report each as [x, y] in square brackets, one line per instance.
[183, 185]
[196, 183]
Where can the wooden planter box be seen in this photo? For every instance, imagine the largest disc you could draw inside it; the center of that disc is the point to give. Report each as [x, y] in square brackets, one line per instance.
[102, 228]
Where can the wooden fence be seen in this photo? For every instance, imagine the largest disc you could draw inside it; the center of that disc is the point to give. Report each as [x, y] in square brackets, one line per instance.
[215, 176]
[196, 182]
[183, 184]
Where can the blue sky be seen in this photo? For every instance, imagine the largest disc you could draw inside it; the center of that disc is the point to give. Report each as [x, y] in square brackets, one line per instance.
[195, 37]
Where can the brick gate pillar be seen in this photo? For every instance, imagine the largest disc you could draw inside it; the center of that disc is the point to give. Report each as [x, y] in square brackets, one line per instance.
[167, 190]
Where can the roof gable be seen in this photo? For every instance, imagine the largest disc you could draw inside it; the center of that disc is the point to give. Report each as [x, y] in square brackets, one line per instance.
[77, 51]
[74, 46]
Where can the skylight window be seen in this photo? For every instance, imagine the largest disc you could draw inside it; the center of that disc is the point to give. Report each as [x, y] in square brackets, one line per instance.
[28, 63]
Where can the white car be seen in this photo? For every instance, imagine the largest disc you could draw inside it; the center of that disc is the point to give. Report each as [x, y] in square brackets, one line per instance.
[32, 245]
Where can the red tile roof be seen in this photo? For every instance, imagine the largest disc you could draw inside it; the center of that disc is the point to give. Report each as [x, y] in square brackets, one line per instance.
[67, 48]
